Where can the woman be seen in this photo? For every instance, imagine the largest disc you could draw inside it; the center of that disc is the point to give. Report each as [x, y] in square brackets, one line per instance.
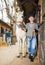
[32, 28]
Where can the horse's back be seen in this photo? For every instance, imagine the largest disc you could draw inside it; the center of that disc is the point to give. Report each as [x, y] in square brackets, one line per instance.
[21, 33]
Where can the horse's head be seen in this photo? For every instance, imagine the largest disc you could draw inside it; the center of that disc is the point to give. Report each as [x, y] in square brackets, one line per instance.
[19, 15]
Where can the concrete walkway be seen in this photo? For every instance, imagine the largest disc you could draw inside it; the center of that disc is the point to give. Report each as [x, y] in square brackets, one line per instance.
[8, 57]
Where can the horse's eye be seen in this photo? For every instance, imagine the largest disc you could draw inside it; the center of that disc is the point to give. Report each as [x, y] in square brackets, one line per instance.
[22, 16]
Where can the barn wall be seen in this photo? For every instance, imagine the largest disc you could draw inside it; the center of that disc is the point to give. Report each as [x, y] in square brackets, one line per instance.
[42, 36]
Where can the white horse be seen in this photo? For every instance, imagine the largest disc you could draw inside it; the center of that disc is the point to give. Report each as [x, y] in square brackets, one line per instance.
[20, 34]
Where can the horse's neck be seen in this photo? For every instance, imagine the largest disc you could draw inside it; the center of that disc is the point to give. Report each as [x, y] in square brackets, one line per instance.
[19, 32]
[22, 25]
[17, 28]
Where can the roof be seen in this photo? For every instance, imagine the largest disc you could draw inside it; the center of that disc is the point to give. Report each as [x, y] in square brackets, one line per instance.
[3, 23]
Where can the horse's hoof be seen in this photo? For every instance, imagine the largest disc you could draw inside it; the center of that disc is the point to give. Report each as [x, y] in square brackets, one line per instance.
[26, 52]
[23, 56]
[20, 52]
[18, 56]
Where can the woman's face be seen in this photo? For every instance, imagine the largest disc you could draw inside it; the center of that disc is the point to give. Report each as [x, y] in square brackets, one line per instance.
[31, 19]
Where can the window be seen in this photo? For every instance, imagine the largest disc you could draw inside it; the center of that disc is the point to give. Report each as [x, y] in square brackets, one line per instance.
[3, 10]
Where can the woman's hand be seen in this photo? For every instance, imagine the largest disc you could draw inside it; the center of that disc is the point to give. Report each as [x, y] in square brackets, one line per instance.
[24, 29]
[34, 33]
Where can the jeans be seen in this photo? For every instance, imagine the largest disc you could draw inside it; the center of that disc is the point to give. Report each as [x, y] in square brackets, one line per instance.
[31, 45]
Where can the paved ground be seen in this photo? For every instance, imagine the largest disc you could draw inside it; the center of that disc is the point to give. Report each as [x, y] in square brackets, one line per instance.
[8, 57]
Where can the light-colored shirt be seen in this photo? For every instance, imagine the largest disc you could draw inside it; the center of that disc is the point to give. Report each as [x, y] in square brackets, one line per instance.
[30, 27]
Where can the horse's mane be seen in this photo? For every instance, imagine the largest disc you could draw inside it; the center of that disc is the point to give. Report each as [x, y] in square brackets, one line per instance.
[19, 15]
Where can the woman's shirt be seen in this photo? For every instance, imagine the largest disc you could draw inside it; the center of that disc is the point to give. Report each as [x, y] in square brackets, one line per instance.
[30, 27]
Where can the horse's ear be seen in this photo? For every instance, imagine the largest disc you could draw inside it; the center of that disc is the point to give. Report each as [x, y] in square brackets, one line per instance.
[22, 12]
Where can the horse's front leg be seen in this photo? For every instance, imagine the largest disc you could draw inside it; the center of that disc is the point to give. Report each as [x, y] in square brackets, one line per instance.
[24, 47]
[18, 46]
